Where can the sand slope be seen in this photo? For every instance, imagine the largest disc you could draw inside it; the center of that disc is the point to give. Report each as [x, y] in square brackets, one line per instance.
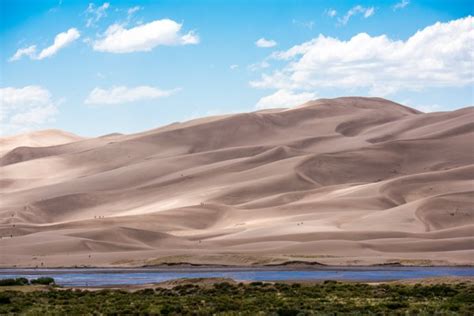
[338, 181]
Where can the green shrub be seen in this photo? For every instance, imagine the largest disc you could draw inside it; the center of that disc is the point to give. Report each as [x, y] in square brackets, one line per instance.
[17, 281]
[43, 281]
[256, 283]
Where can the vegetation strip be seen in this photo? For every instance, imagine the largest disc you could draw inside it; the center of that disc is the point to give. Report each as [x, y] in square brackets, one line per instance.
[193, 297]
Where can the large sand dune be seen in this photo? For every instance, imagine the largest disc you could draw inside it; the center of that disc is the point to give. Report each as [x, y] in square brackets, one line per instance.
[337, 181]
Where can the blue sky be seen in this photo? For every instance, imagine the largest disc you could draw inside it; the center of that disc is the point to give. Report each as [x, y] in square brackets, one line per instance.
[94, 68]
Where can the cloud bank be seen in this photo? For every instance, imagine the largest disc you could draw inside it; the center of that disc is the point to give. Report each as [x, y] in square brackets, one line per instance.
[439, 55]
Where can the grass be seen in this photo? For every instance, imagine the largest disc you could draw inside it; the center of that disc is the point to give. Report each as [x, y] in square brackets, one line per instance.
[256, 298]
[22, 288]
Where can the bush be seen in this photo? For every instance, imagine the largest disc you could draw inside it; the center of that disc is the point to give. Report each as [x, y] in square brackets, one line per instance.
[43, 281]
[4, 299]
[288, 312]
[17, 281]
[330, 282]
[396, 305]
[256, 283]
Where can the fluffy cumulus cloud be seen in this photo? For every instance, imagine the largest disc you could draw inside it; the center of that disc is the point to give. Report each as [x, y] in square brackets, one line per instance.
[284, 99]
[358, 9]
[23, 109]
[264, 43]
[439, 55]
[60, 41]
[94, 14]
[122, 94]
[143, 38]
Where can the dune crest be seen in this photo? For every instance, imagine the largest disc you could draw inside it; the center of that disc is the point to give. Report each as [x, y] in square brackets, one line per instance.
[338, 181]
[44, 138]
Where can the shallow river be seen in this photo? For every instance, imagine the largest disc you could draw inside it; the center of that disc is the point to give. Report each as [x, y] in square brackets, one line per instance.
[102, 277]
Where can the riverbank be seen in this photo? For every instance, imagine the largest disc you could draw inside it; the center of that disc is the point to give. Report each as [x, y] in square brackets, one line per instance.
[247, 259]
[244, 262]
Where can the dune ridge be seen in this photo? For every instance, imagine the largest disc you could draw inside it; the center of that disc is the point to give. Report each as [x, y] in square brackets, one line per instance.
[349, 180]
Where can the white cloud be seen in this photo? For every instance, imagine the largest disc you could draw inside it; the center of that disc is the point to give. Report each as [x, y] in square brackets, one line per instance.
[400, 5]
[130, 13]
[28, 51]
[122, 94]
[358, 9]
[191, 38]
[233, 67]
[133, 10]
[60, 41]
[264, 43]
[439, 55]
[95, 14]
[34, 116]
[331, 12]
[283, 99]
[369, 12]
[21, 97]
[23, 109]
[144, 38]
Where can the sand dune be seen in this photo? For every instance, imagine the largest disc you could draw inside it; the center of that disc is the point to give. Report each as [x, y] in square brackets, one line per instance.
[43, 138]
[338, 181]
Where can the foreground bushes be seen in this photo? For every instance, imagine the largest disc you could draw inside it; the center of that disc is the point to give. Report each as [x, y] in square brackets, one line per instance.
[250, 299]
